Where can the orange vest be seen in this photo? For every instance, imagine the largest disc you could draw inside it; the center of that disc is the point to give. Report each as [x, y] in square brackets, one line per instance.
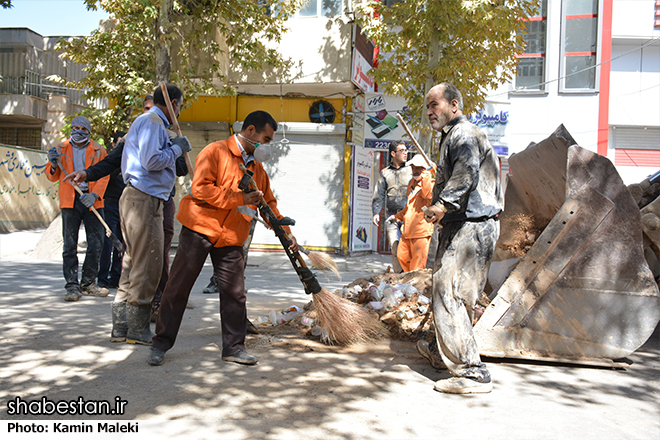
[94, 154]
[420, 193]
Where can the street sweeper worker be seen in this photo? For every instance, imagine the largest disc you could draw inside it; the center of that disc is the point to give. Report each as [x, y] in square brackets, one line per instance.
[467, 200]
[112, 164]
[390, 192]
[76, 153]
[212, 224]
[416, 231]
[149, 171]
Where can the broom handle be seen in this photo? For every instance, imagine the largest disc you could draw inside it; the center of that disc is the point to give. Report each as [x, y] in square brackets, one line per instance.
[168, 102]
[115, 241]
[419, 148]
[253, 185]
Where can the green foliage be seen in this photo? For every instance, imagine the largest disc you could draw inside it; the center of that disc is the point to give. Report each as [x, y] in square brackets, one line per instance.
[204, 37]
[469, 43]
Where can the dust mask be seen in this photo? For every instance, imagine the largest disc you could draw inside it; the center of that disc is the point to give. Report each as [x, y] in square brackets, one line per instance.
[262, 153]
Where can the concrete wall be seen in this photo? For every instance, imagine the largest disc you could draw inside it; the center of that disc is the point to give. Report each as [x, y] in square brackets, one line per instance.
[28, 199]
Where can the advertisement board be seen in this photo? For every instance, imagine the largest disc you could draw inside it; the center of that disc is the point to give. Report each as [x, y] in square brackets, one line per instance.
[381, 125]
[361, 193]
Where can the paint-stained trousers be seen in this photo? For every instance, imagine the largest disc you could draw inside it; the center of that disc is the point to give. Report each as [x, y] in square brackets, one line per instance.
[465, 250]
[228, 269]
[142, 227]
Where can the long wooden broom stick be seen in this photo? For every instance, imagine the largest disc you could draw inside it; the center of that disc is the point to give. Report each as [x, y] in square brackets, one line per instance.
[414, 141]
[168, 102]
[344, 322]
[108, 232]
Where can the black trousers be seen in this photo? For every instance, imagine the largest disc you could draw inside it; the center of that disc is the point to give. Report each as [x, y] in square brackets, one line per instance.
[186, 267]
[71, 220]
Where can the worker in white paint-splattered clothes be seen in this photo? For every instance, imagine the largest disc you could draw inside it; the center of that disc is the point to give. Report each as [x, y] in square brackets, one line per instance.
[467, 200]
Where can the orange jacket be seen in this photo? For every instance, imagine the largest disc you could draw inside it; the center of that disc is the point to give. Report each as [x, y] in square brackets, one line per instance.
[94, 154]
[420, 193]
[211, 208]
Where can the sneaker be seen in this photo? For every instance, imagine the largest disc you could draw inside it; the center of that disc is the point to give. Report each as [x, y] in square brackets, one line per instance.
[211, 288]
[71, 295]
[95, 290]
[156, 357]
[462, 385]
[430, 353]
[241, 357]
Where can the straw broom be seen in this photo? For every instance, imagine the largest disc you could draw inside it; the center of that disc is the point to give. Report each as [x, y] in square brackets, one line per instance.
[320, 261]
[343, 321]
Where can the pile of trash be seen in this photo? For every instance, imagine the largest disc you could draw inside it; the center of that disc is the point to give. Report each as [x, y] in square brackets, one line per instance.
[402, 302]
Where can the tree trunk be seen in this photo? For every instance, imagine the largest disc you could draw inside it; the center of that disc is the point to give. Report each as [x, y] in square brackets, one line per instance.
[426, 133]
[162, 52]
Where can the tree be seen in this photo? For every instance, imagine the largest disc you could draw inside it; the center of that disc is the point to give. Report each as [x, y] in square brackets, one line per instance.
[6, 4]
[469, 43]
[191, 43]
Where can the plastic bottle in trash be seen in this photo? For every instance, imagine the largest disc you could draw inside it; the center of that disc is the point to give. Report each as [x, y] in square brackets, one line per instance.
[423, 299]
[306, 320]
[276, 317]
[317, 331]
[261, 320]
[374, 292]
[291, 313]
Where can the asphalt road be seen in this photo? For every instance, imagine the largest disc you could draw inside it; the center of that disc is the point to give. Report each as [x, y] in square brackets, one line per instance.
[53, 351]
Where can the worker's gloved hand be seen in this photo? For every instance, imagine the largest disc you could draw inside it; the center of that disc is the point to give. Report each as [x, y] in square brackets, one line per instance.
[89, 199]
[183, 143]
[391, 219]
[52, 157]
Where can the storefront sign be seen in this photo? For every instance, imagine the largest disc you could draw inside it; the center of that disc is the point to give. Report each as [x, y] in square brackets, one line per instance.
[361, 194]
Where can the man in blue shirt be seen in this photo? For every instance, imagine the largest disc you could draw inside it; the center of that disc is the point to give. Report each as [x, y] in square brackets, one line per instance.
[148, 169]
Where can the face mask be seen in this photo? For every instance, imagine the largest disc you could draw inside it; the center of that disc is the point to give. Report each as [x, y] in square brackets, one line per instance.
[417, 177]
[262, 154]
[79, 136]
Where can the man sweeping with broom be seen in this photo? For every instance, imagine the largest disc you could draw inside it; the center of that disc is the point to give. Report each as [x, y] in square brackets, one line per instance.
[212, 224]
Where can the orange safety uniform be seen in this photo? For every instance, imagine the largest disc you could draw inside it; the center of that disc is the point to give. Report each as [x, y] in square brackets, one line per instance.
[416, 232]
[211, 208]
[94, 154]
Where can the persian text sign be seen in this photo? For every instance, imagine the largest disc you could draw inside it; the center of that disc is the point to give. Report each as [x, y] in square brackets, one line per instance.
[27, 198]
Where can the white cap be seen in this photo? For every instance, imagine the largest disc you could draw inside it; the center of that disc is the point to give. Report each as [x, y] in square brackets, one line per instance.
[418, 161]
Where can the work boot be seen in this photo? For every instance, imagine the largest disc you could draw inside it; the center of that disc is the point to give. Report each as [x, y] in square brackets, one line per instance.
[156, 357]
[94, 290]
[119, 324]
[463, 385]
[72, 294]
[241, 357]
[138, 317]
[212, 287]
[430, 353]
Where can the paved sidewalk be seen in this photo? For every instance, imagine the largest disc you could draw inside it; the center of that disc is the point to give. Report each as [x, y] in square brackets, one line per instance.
[300, 388]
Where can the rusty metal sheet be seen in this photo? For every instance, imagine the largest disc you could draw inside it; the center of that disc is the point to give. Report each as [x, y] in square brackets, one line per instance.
[583, 292]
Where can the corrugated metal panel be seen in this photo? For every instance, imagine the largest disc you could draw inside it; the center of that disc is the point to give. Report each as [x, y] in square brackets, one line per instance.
[637, 158]
[642, 138]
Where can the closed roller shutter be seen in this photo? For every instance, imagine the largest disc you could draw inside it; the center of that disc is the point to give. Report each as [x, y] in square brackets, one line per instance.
[636, 146]
[307, 178]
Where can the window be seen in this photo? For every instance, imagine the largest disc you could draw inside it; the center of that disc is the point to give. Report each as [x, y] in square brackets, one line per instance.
[321, 8]
[530, 74]
[579, 37]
